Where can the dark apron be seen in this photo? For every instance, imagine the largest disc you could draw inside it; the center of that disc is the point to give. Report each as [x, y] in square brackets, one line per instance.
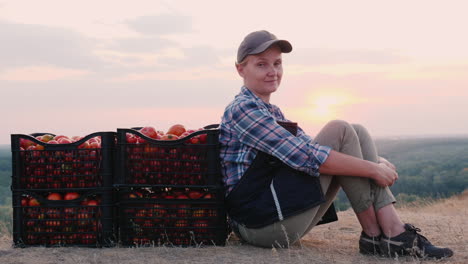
[270, 191]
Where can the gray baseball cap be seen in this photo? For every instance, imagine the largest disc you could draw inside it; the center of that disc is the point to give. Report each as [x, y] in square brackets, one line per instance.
[259, 41]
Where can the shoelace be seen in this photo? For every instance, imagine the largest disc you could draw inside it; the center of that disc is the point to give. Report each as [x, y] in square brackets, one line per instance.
[416, 231]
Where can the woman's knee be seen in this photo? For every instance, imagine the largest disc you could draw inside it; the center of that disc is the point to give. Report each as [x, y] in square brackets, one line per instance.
[341, 136]
[361, 130]
[339, 127]
[338, 124]
[344, 125]
[344, 130]
[359, 127]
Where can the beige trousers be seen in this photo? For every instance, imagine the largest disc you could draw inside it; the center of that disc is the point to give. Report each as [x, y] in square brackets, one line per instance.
[345, 138]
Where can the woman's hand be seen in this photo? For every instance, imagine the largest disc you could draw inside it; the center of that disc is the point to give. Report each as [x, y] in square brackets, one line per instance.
[341, 164]
[385, 176]
[387, 163]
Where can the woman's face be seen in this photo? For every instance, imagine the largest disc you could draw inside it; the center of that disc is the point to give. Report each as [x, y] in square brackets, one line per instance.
[262, 72]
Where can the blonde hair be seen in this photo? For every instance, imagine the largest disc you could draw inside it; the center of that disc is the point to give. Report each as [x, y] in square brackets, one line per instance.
[243, 62]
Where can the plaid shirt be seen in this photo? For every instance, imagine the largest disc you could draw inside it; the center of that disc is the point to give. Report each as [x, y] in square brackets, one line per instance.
[249, 125]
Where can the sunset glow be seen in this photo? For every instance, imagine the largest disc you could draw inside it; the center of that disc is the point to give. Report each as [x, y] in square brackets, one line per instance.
[325, 106]
[87, 66]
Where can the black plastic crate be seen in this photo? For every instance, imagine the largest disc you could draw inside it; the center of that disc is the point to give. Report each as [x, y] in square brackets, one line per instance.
[60, 166]
[84, 221]
[171, 216]
[192, 160]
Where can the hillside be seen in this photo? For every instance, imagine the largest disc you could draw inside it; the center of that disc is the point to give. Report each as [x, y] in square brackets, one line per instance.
[443, 222]
[428, 168]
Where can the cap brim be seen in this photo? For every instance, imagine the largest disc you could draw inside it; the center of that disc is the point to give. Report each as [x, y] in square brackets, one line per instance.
[284, 45]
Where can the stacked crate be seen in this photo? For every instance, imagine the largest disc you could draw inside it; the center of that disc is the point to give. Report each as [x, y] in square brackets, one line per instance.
[170, 191]
[62, 193]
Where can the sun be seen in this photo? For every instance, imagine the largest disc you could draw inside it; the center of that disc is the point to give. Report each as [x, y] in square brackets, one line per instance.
[326, 106]
[321, 106]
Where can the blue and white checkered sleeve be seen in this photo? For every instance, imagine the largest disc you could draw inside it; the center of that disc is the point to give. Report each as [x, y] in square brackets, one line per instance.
[258, 129]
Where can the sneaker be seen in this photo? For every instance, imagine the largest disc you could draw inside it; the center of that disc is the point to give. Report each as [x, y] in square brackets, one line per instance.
[412, 243]
[369, 245]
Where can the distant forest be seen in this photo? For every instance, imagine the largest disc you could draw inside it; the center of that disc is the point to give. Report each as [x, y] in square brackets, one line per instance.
[429, 167]
[5, 174]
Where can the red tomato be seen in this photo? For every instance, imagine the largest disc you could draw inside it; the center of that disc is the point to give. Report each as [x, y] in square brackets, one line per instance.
[94, 145]
[84, 145]
[24, 201]
[59, 137]
[135, 194]
[194, 140]
[177, 130]
[195, 194]
[64, 140]
[26, 143]
[71, 196]
[131, 138]
[54, 197]
[34, 202]
[202, 138]
[169, 137]
[92, 203]
[94, 139]
[39, 147]
[182, 196]
[31, 147]
[149, 132]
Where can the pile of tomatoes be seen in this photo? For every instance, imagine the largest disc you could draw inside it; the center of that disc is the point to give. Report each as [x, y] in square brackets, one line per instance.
[181, 163]
[74, 220]
[170, 215]
[58, 174]
[26, 144]
[174, 132]
[69, 167]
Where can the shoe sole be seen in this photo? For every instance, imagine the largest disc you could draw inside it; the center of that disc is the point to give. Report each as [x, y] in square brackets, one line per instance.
[392, 253]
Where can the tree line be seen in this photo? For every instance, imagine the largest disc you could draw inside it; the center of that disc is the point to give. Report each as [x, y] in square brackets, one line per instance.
[428, 168]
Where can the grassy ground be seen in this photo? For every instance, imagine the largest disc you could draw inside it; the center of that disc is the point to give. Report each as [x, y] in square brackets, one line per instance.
[443, 222]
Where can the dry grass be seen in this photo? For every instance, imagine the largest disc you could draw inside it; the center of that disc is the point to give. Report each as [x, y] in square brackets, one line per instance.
[443, 222]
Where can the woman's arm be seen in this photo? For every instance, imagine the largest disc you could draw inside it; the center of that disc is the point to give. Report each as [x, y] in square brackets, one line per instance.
[346, 165]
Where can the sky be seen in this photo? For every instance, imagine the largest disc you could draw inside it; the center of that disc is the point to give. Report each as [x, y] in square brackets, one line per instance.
[78, 67]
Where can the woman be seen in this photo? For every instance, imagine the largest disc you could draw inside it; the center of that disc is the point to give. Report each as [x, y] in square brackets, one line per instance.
[280, 182]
